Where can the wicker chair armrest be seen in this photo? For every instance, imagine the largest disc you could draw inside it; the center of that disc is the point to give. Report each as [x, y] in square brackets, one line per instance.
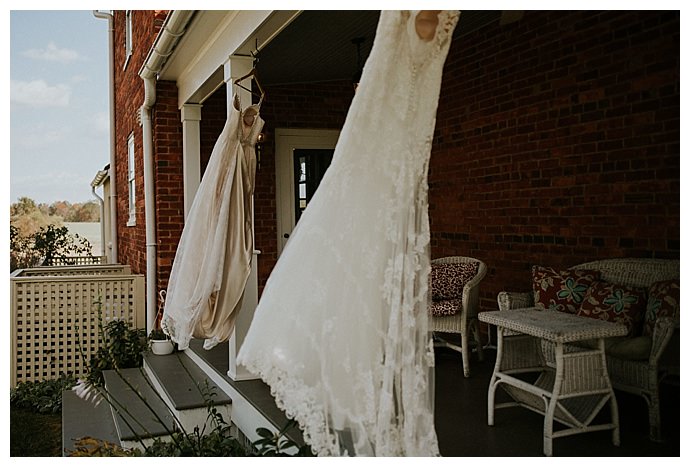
[664, 328]
[470, 294]
[514, 300]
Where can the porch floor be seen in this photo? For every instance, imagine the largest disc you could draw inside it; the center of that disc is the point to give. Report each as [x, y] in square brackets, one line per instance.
[461, 416]
[461, 419]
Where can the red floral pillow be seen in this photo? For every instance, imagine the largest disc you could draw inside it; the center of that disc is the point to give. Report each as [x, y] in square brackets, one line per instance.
[617, 304]
[663, 300]
[448, 279]
[561, 290]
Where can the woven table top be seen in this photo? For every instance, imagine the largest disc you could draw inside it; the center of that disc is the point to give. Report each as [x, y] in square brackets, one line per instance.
[554, 326]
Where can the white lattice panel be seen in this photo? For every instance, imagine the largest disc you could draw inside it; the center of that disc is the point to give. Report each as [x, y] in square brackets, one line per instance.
[55, 320]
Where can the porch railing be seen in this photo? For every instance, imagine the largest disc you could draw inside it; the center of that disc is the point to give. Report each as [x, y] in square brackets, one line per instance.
[54, 317]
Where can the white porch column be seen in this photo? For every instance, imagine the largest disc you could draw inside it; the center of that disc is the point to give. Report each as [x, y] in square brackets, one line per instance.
[191, 155]
[236, 67]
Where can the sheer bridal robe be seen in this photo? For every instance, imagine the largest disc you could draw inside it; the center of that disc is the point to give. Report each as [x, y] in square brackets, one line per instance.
[340, 333]
[213, 259]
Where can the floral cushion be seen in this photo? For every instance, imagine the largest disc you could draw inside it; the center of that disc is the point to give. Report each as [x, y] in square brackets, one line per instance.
[561, 290]
[617, 304]
[445, 307]
[448, 279]
[663, 300]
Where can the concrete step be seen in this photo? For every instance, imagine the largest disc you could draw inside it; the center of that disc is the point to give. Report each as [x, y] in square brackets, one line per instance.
[139, 413]
[186, 389]
[81, 419]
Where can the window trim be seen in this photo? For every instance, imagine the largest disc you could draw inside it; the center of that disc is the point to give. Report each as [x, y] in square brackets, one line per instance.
[131, 179]
[128, 37]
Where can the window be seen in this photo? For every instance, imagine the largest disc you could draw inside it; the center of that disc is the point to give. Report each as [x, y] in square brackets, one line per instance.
[130, 180]
[128, 36]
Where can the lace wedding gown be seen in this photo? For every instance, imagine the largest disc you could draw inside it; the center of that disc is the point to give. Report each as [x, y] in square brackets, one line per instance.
[213, 258]
[340, 333]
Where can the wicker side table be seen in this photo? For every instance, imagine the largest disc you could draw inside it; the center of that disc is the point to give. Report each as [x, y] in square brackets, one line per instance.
[573, 392]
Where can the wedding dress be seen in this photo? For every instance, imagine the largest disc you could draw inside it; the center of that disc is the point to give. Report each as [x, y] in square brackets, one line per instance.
[213, 259]
[340, 333]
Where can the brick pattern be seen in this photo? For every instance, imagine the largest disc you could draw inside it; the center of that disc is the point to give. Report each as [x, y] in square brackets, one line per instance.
[129, 96]
[169, 186]
[557, 142]
[213, 117]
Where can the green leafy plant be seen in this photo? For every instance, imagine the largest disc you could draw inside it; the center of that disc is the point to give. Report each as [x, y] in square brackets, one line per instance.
[41, 396]
[219, 442]
[158, 335]
[122, 347]
[56, 243]
[272, 444]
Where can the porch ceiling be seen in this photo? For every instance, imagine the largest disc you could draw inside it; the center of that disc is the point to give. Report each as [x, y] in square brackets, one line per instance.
[295, 47]
[317, 45]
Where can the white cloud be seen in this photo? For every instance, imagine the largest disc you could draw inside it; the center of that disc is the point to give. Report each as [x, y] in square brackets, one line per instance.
[38, 93]
[53, 53]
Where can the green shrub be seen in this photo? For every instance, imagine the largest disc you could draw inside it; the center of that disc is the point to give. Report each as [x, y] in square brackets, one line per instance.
[122, 347]
[41, 396]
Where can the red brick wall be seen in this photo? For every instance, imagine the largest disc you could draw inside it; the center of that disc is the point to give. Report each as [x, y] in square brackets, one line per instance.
[557, 142]
[129, 97]
[169, 186]
[213, 117]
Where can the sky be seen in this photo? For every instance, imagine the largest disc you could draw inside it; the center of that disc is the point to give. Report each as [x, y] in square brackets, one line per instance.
[59, 110]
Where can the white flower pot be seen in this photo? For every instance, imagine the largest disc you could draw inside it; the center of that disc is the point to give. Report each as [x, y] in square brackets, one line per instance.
[162, 347]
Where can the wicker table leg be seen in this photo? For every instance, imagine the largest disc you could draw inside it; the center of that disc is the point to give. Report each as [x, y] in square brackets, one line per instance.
[494, 378]
[616, 432]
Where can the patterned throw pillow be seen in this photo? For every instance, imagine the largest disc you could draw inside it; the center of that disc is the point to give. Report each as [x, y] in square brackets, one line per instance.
[445, 307]
[448, 279]
[617, 304]
[663, 300]
[561, 290]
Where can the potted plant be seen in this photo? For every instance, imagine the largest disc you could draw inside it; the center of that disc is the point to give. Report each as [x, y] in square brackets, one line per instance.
[160, 343]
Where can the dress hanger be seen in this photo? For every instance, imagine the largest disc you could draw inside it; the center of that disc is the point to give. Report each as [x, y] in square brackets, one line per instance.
[252, 74]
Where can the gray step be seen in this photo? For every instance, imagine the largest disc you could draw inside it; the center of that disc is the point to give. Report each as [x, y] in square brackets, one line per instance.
[82, 419]
[257, 406]
[184, 383]
[133, 419]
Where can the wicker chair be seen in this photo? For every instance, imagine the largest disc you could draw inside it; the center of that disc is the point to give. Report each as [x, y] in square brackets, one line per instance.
[641, 377]
[465, 318]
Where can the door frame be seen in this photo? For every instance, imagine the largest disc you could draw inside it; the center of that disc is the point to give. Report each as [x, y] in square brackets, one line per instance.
[287, 140]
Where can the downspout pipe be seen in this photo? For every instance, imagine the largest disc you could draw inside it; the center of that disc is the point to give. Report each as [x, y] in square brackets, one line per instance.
[170, 32]
[113, 180]
[100, 206]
